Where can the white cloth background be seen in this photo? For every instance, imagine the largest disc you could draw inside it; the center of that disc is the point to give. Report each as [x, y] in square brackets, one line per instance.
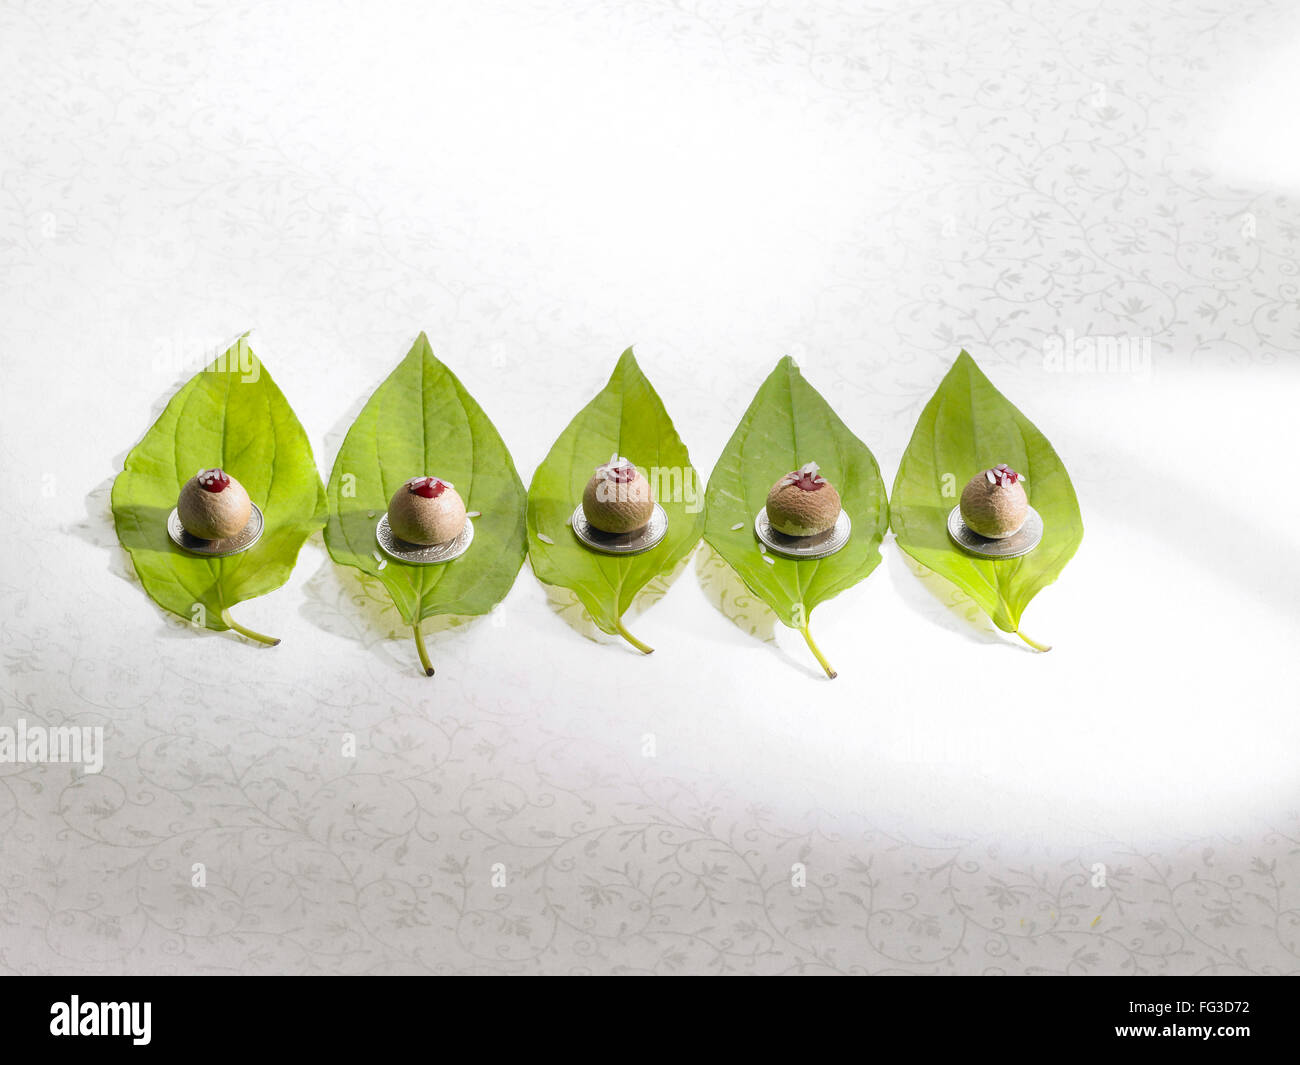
[539, 186]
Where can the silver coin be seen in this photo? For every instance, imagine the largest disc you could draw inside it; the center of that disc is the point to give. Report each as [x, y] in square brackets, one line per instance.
[1029, 536]
[818, 546]
[632, 543]
[422, 554]
[231, 545]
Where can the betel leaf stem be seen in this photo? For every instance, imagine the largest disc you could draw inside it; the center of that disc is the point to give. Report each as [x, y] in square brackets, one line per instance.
[644, 648]
[424, 654]
[270, 641]
[1034, 643]
[812, 646]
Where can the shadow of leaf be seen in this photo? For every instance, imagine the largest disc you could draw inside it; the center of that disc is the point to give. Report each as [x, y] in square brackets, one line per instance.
[956, 611]
[723, 587]
[566, 604]
[343, 601]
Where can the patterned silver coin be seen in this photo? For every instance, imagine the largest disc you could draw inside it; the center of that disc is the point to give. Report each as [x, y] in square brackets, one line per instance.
[1018, 543]
[423, 554]
[632, 543]
[231, 545]
[818, 546]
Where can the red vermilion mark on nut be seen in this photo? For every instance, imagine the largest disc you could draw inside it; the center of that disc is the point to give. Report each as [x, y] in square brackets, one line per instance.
[213, 480]
[1003, 475]
[617, 469]
[427, 487]
[805, 478]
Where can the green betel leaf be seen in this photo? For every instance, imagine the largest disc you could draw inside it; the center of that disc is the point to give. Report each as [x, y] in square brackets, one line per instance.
[787, 425]
[422, 422]
[968, 426]
[626, 418]
[231, 415]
